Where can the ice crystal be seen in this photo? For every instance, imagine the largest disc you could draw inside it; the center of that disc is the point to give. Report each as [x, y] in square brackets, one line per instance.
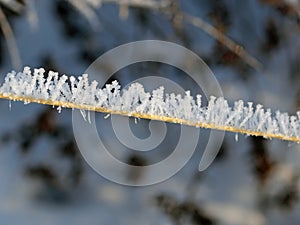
[135, 99]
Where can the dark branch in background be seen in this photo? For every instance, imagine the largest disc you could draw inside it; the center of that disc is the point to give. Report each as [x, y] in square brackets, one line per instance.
[10, 40]
[225, 40]
[183, 212]
[286, 8]
[13, 5]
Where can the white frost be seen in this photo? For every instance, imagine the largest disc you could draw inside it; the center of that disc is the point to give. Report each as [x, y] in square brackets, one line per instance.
[134, 99]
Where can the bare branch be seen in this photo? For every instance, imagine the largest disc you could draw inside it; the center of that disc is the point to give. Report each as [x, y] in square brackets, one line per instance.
[222, 38]
[13, 5]
[10, 40]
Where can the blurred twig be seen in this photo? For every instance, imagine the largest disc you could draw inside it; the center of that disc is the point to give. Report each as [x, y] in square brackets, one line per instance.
[86, 10]
[13, 5]
[290, 8]
[10, 40]
[225, 40]
[31, 14]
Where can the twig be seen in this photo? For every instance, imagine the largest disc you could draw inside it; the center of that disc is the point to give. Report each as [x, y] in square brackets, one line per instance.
[222, 38]
[10, 40]
[13, 5]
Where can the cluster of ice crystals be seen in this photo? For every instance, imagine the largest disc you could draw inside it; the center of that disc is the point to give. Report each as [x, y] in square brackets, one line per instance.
[134, 99]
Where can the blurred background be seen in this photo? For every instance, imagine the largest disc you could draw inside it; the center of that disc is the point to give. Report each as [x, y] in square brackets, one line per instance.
[252, 46]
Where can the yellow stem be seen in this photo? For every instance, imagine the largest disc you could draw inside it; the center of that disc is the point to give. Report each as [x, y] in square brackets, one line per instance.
[148, 116]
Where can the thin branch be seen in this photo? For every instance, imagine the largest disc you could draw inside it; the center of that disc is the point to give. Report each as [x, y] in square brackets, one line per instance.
[13, 5]
[10, 40]
[222, 38]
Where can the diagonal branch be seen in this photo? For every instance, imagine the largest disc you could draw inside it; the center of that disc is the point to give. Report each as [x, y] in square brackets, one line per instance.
[225, 40]
[10, 40]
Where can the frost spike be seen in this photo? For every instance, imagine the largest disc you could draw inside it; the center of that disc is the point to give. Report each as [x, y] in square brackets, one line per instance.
[85, 95]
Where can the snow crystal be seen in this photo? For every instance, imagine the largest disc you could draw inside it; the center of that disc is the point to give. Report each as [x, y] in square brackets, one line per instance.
[59, 109]
[106, 116]
[236, 137]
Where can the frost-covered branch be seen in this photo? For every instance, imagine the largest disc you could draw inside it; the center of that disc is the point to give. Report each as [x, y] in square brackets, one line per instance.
[80, 93]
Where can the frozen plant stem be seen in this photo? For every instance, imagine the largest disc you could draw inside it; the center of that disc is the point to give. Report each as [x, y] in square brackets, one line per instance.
[80, 93]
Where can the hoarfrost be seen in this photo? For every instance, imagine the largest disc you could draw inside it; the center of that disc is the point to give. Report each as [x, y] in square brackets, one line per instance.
[134, 99]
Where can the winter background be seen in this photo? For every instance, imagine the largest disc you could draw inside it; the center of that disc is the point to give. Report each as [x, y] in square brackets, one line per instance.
[45, 180]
